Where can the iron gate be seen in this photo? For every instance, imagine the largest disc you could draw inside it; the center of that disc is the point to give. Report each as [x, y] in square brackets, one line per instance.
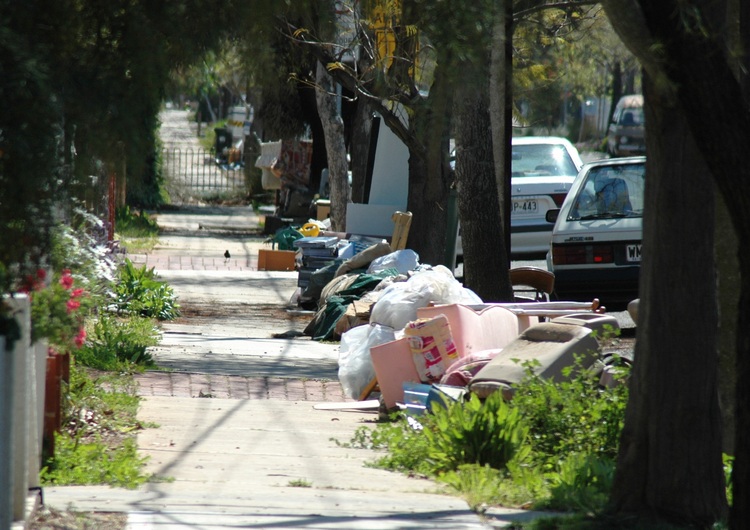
[197, 172]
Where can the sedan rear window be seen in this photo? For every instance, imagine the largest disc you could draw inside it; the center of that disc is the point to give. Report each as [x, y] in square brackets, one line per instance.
[610, 192]
[540, 160]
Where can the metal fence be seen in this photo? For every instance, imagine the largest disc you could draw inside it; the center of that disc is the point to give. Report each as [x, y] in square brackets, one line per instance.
[198, 173]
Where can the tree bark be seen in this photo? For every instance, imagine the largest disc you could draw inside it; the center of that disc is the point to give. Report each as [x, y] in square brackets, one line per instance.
[482, 235]
[360, 148]
[333, 128]
[501, 118]
[669, 463]
[429, 173]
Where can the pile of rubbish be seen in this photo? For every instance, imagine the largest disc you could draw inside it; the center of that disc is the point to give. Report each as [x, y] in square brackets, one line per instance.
[411, 330]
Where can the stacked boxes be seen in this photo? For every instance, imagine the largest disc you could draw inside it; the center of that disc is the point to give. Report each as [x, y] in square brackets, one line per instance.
[316, 253]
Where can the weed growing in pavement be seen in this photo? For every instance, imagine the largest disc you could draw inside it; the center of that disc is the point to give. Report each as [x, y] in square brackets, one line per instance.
[488, 432]
[139, 292]
[299, 483]
[478, 485]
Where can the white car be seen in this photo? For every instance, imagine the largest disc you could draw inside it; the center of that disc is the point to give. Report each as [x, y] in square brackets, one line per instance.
[595, 250]
[543, 169]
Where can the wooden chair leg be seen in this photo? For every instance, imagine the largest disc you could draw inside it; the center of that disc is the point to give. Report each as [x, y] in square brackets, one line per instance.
[371, 387]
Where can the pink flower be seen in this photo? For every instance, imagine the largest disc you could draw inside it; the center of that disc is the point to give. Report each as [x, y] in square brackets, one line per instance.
[76, 293]
[80, 338]
[72, 305]
[41, 274]
[66, 280]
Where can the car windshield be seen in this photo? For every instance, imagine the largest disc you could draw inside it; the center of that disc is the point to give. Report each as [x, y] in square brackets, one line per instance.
[535, 160]
[610, 192]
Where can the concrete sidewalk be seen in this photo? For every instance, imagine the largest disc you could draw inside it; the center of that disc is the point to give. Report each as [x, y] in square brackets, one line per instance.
[265, 464]
[237, 442]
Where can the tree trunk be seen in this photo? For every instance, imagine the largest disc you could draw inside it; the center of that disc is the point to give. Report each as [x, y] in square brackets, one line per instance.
[333, 128]
[740, 515]
[501, 118]
[669, 464]
[360, 148]
[482, 235]
[728, 292]
[429, 173]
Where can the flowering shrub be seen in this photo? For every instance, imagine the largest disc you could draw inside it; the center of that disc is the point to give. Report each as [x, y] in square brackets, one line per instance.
[58, 311]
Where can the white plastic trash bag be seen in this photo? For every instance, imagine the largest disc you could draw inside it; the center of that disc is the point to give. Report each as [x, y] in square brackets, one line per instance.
[355, 364]
[402, 260]
[398, 304]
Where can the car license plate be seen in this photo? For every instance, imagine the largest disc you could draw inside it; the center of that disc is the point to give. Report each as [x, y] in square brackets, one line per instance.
[633, 253]
[524, 207]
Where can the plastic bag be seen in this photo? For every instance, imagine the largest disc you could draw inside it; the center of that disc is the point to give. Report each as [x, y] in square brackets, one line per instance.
[355, 364]
[402, 260]
[399, 302]
[285, 238]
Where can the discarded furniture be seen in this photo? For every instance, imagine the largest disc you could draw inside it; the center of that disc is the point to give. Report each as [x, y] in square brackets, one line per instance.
[544, 349]
[401, 226]
[476, 328]
[472, 331]
[533, 283]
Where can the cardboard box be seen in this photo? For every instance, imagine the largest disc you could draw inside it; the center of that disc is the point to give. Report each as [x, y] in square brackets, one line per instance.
[276, 260]
[323, 209]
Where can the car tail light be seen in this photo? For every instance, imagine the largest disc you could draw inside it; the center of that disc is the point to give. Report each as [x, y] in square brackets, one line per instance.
[602, 254]
[558, 198]
[582, 254]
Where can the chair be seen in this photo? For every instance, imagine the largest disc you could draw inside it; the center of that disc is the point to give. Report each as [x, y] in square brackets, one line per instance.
[532, 284]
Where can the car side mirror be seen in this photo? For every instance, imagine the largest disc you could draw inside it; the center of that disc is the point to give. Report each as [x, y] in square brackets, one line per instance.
[552, 215]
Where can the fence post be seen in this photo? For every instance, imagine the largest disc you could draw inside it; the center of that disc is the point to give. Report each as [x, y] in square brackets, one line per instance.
[15, 368]
[36, 427]
[6, 435]
[21, 306]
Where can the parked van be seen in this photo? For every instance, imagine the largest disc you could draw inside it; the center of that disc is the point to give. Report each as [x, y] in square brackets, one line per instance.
[626, 134]
[596, 240]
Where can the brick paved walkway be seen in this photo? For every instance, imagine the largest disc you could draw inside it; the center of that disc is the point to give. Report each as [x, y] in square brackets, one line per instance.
[195, 263]
[180, 384]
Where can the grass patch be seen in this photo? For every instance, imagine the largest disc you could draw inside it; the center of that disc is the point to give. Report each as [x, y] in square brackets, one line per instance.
[136, 231]
[97, 442]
